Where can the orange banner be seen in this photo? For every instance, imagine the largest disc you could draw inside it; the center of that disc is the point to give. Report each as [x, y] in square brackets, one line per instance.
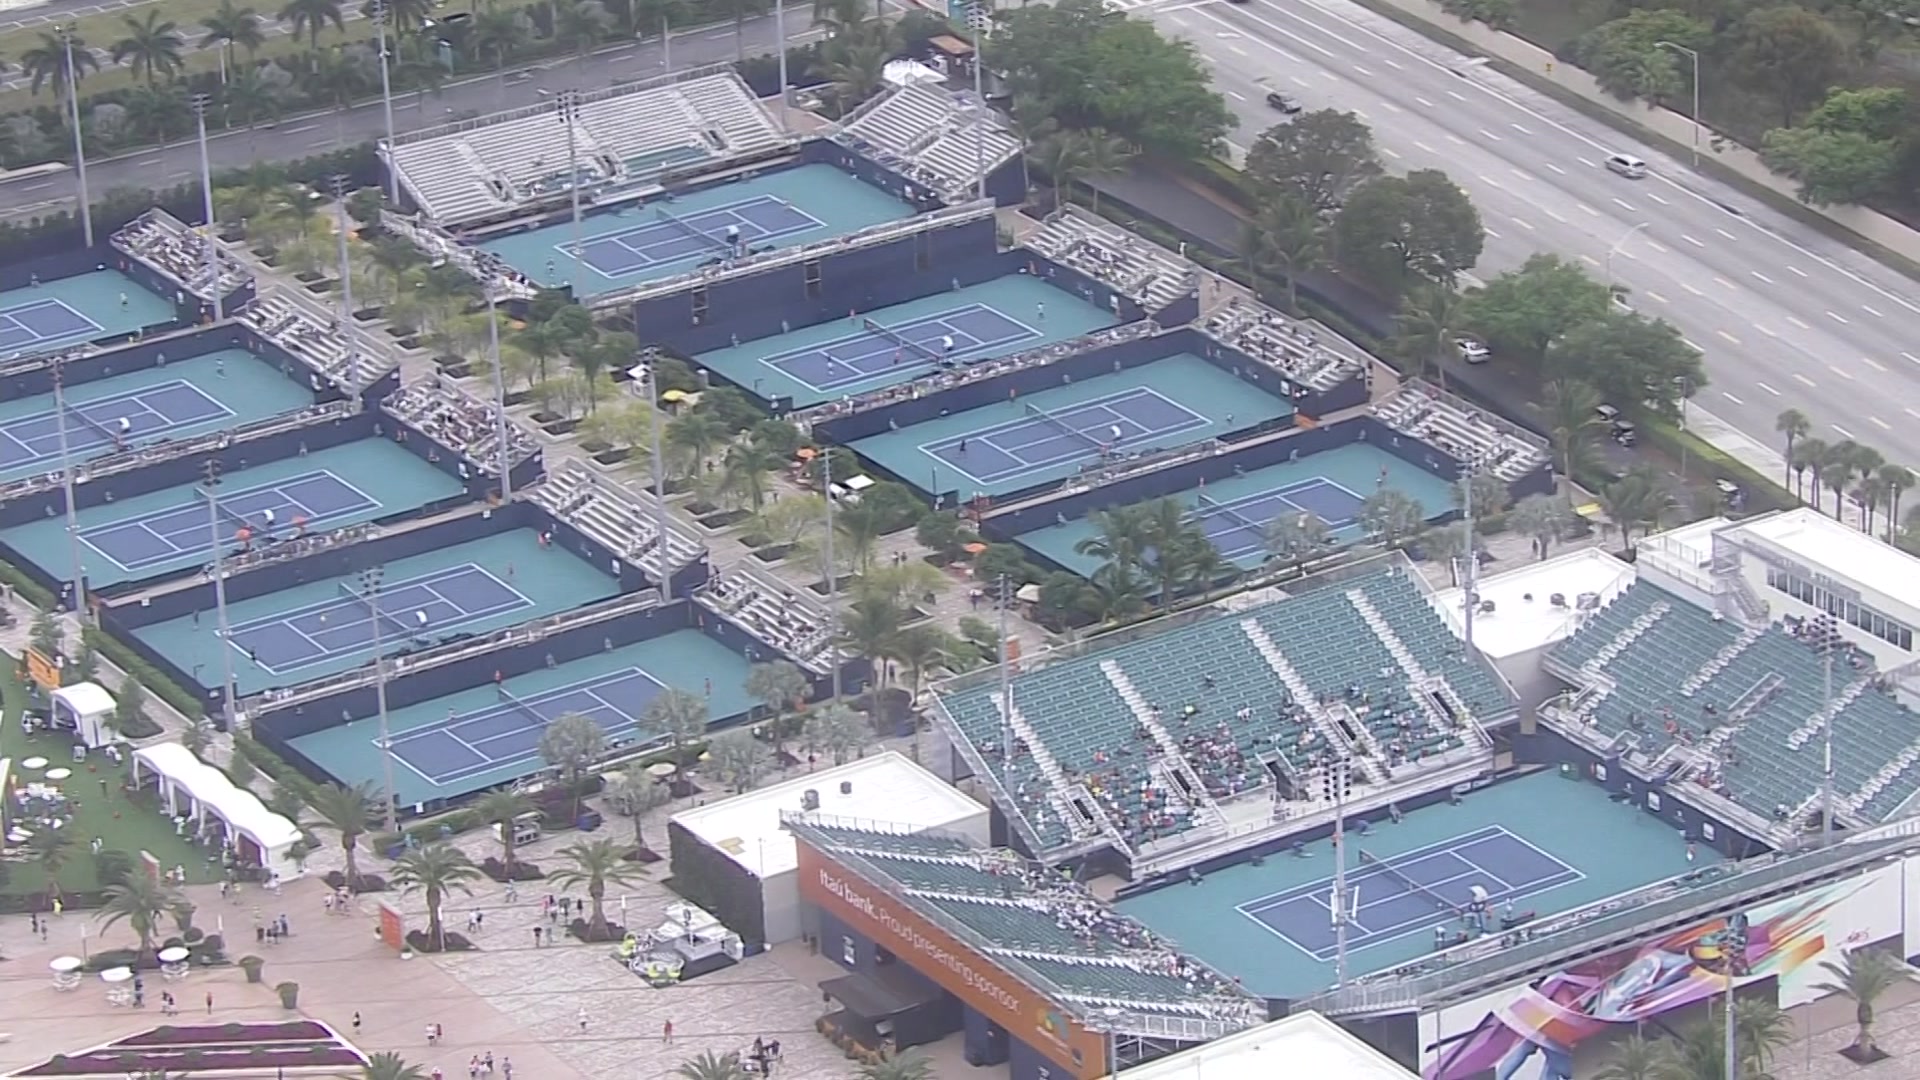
[984, 985]
[43, 671]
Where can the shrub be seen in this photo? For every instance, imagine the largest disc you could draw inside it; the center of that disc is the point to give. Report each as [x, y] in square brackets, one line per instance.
[289, 995]
[29, 589]
[613, 931]
[252, 965]
[151, 677]
[522, 870]
[365, 883]
[418, 941]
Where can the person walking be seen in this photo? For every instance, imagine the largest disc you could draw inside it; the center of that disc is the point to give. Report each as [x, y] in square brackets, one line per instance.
[666, 1033]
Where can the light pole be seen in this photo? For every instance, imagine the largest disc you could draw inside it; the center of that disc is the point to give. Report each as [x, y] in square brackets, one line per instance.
[79, 143]
[1826, 631]
[1110, 1017]
[1693, 55]
[980, 98]
[370, 591]
[1607, 262]
[1338, 780]
[348, 376]
[570, 115]
[658, 467]
[66, 484]
[220, 594]
[200, 103]
[833, 577]
[386, 101]
[499, 399]
[780, 33]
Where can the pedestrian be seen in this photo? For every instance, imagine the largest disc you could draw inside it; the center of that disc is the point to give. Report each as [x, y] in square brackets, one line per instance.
[356, 1023]
[666, 1033]
[583, 1019]
[1040, 310]
[433, 1034]
[506, 1069]
[209, 1003]
[219, 368]
[536, 937]
[479, 920]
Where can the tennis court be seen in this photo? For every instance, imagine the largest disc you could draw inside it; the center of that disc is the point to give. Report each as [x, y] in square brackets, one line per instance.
[664, 237]
[1239, 528]
[68, 311]
[843, 356]
[475, 739]
[1555, 842]
[310, 629]
[320, 497]
[179, 399]
[1412, 892]
[1053, 434]
[449, 599]
[141, 535]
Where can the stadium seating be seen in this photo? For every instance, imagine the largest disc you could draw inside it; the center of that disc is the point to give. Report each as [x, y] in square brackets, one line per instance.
[1290, 346]
[623, 134]
[937, 137]
[1045, 921]
[624, 521]
[1746, 702]
[1150, 276]
[773, 610]
[1473, 436]
[461, 421]
[1223, 697]
[169, 245]
[293, 327]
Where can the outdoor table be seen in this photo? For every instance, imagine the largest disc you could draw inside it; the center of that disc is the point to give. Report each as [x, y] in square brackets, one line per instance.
[35, 763]
[66, 972]
[119, 985]
[57, 775]
[173, 962]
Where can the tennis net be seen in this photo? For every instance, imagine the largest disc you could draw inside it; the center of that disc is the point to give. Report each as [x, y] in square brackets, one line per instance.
[1060, 422]
[1368, 858]
[233, 518]
[521, 707]
[898, 338]
[390, 622]
[111, 434]
[1210, 507]
[690, 228]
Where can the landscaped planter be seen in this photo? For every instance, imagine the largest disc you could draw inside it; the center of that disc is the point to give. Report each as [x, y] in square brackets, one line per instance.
[522, 870]
[249, 1033]
[199, 1062]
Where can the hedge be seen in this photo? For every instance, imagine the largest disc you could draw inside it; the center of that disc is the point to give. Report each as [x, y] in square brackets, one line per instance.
[30, 590]
[156, 682]
[1763, 492]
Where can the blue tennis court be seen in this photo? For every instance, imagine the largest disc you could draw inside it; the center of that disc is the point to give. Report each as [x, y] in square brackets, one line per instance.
[321, 496]
[672, 237]
[903, 348]
[1506, 865]
[467, 744]
[316, 633]
[1238, 528]
[155, 410]
[1087, 430]
[40, 322]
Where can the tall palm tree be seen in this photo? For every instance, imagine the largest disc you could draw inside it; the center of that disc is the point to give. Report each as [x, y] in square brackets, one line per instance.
[635, 795]
[1637, 500]
[839, 731]
[646, 16]
[251, 99]
[597, 863]
[337, 77]
[693, 437]
[1447, 544]
[1175, 538]
[46, 63]
[1897, 479]
[1293, 539]
[151, 48]
[1865, 460]
[739, 11]
[1633, 1058]
[231, 28]
[387, 1065]
[1808, 455]
[1430, 318]
[1870, 493]
[436, 870]
[779, 685]
[499, 808]
[1119, 537]
[350, 811]
[1571, 422]
[858, 527]
[159, 112]
[583, 25]
[1107, 154]
[870, 626]
[1863, 976]
[1064, 156]
[1793, 425]
[1834, 474]
[841, 17]
[499, 33]
[51, 850]
[1285, 235]
[712, 1066]
[402, 15]
[141, 902]
[857, 70]
[311, 17]
[681, 717]
[1391, 517]
[744, 479]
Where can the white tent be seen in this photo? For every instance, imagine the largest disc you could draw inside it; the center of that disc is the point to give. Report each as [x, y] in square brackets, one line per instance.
[87, 708]
[192, 788]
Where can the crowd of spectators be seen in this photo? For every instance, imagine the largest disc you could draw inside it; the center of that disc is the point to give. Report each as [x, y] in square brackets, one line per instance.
[1137, 269]
[774, 612]
[459, 421]
[332, 353]
[167, 244]
[1482, 442]
[1287, 345]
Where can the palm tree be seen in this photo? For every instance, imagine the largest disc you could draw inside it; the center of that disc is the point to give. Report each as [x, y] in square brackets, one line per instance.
[1287, 236]
[739, 11]
[1794, 425]
[857, 70]
[841, 17]
[635, 794]
[583, 25]
[387, 1065]
[158, 112]
[870, 626]
[1637, 500]
[644, 16]
[681, 717]
[499, 33]
[693, 437]
[310, 17]
[1863, 976]
[1761, 1029]
[47, 62]
[1834, 474]
[919, 649]
[901, 1067]
[858, 527]
[1447, 544]
[250, 98]
[1870, 493]
[500, 808]
[1119, 537]
[350, 811]
[338, 78]
[597, 863]
[1391, 517]
[779, 685]
[1293, 539]
[140, 901]
[51, 850]
[1033, 123]
[1808, 454]
[1634, 1058]
[1064, 156]
[839, 731]
[1544, 518]
[1896, 479]
[402, 15]
[712, 1066]
[1175, 538]
[229, 28]
[1571, 421]
[1107, 155]
[151, 48]
[743, 479]
[436, 870]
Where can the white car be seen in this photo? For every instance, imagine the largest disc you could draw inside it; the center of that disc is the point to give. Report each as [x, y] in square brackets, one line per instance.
[1472, 350]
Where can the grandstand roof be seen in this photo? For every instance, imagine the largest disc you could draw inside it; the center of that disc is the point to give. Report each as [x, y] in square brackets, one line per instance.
[884, 787]
[1524, 617]
[1304, 1044]
[1840, 551]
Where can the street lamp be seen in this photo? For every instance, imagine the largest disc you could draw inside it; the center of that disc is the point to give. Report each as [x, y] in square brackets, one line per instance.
[1110, 1017]
[79, 144]
[379, 13]
[370, 592]
[1694, 56]
[570, 115]
[1826, 639]
[200, 104]
[212, 490]
[1607, 263]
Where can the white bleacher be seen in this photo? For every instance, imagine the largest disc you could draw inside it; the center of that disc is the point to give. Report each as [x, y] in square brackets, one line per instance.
[775, 611]
[170, 246]
[458, 420]
[944, 139]
[1145, 273]
[1293, 347]
[625, 521]
[474, 169]
[292, 326]
[1474, 436]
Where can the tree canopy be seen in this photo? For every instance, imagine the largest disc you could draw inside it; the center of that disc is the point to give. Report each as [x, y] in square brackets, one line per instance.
[1087, 67]
[1318, 157]
[1397, 231]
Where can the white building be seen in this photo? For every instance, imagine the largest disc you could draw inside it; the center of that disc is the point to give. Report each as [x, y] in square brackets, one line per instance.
[1305, 1045]
[716, 845]
[1536, 605]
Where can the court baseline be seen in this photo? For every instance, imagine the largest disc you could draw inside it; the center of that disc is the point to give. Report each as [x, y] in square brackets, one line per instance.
[1224, 514]
[18, 332]
[615, 254]
[865, 355]
[451, 737]
[170, 534]
[37, 436]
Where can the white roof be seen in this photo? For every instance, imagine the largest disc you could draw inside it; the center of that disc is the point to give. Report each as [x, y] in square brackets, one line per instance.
[86, 699]
[1518, 624]
[886, 791]
[239, 808]
[1304, 1044]
[1841, 552]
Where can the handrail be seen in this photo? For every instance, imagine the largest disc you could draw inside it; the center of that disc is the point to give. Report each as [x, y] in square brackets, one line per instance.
[32, 361]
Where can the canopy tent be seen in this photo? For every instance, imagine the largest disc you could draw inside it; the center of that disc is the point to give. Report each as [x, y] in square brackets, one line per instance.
[191, 787]
[87, 708]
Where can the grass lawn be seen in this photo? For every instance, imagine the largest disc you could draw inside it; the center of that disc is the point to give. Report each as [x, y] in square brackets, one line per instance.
[112, 816]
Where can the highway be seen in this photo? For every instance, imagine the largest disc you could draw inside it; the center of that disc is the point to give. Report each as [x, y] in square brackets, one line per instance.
[313, 133]
[1785, 316]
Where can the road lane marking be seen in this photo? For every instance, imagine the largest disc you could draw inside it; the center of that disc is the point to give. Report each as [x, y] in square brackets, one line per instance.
[1455, 139]
[1687, 285]
[1424, 103]
[1692, 241]
[1490, 135]
[1656, 297]
[1840, 371]
[1588, 164]
[1590, 260]
[1521, 173]
[1872, 363]
[1588, 209]
[1658, 199]
[1391, 64]
[1796, 321]
[1692, 344]
[1456, 95]
[1765, 330]
[1557, 217]
[1803, 379]
[1392, 108]
[1298, 81]
[1394, 154]
[1520, 129]
[1656, 245]
[1490, 232]
[1424, 147]
[1236, 95]
[1796, 270]
[1236, 50]
[1729, 337]
[1883, 425]
[1837, 317]
[1731, 398]
[1359, 114]
[1912, 412]
[1624, 205]
[1870, 311]
[1490, 182]
[1724, 282]
[1911, 357]
[1725, 233]
[1767, 388]
[1844, 433]
[1761, 276]
[1519, 222]
[1362, 72]
[1554, 167]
